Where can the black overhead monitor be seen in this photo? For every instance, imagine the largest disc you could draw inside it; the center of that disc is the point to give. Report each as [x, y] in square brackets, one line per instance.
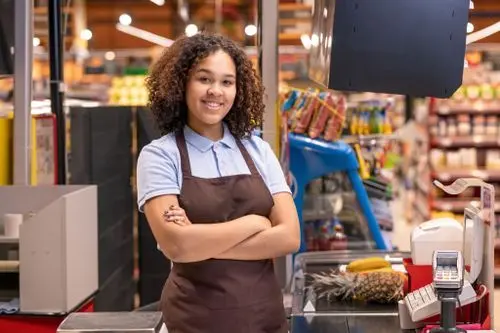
[7, 37]
[408, 47]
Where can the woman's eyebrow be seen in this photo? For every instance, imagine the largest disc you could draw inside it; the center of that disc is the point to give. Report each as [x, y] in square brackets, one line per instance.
[204, 70]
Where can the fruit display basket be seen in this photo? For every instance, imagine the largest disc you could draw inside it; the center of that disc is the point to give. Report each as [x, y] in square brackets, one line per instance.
[314, 314]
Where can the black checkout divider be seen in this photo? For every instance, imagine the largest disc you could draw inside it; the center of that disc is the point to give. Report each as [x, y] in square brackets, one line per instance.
[100, 154]
[154, 268]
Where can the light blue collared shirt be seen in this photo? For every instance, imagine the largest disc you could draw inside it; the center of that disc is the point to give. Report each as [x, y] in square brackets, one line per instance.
[159, 164]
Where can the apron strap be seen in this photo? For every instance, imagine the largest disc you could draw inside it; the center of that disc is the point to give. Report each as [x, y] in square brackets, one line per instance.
[181, 145]
[247, 157]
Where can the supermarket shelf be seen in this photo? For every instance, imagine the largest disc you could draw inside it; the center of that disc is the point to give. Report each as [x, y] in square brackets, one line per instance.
[456, 205]
[465, 141]
[479, 107]
[447, 175]
[292, 7]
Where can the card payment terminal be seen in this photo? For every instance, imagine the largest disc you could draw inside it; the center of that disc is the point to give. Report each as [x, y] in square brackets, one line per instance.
[448, 272]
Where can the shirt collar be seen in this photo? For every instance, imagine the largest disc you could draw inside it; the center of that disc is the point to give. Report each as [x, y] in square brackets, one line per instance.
[203, 144]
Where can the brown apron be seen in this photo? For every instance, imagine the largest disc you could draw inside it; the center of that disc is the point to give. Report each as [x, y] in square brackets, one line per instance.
[223, 296]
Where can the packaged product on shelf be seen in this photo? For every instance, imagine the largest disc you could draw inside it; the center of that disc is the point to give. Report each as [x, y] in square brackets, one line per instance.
[460, 94]
[442, 127]
[463, 127]
[322, 116]
[492, 159]
[491, 125]
[433, 126]
[338, 240]
[479, 125]
[452, 126]
[438, 159]
[319, 115]
[453, 160]
[473, 91]
[304, 115]
[487, 92]
[336, 121]
[325, 235]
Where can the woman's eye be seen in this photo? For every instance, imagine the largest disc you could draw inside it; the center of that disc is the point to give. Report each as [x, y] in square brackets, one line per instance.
[228, 83]
[204, 79]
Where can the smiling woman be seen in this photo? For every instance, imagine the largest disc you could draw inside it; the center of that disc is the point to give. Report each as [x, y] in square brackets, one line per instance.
[214, 195]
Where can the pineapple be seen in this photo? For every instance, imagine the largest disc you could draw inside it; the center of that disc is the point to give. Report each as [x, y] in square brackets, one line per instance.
[376, 286]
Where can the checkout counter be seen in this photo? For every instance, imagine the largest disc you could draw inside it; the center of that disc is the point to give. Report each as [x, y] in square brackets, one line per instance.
[471, 243]
[473, 240]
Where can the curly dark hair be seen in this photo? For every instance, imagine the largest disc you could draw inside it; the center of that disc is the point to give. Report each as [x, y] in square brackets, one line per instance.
[168, 78]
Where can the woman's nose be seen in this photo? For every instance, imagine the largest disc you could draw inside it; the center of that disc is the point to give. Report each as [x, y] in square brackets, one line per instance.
[215, 90]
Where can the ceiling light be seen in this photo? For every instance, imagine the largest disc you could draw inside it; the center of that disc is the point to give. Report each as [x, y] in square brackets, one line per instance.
[483, 33]
[86, 34]
[191, 30]
[36, 41]
[110, 56]
[125, 19]
[306, 41]
[158, 2]
[145, 35]
[470, 27]
[471, 4]
[250, 30]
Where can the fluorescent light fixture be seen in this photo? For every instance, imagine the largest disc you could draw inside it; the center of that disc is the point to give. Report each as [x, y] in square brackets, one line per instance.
[483, 33]
[125, 19]
[158, 2]
[471, 4]
[145, 35]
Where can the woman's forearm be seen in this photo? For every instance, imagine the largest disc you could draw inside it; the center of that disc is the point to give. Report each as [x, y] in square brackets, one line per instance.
[201, 241]
[271, 243]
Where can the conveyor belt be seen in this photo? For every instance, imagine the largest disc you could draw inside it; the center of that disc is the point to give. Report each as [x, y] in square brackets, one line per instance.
[338, 317]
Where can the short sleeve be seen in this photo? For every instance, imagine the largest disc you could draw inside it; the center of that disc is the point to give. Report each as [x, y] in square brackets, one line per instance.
[274, 173]
[156, 175]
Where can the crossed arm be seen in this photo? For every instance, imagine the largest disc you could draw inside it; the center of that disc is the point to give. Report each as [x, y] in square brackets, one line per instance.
[250, 237]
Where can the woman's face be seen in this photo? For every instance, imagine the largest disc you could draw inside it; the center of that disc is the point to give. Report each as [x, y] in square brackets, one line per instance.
[211, 90]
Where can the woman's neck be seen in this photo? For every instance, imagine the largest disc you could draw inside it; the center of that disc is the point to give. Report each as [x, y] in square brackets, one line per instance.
[213, 132]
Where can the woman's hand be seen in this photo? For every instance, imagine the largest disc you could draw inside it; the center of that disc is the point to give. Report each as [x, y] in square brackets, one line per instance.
[176, 215]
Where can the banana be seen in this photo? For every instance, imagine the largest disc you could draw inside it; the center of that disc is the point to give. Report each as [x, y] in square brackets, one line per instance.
[361, 265]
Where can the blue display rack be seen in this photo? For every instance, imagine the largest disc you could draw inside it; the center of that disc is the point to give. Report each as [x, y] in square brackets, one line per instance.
[311, 159]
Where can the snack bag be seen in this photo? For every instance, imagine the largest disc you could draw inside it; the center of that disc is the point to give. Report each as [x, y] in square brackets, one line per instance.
[296, 110]
[306, 115]
[321, 117]
[336, 121]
